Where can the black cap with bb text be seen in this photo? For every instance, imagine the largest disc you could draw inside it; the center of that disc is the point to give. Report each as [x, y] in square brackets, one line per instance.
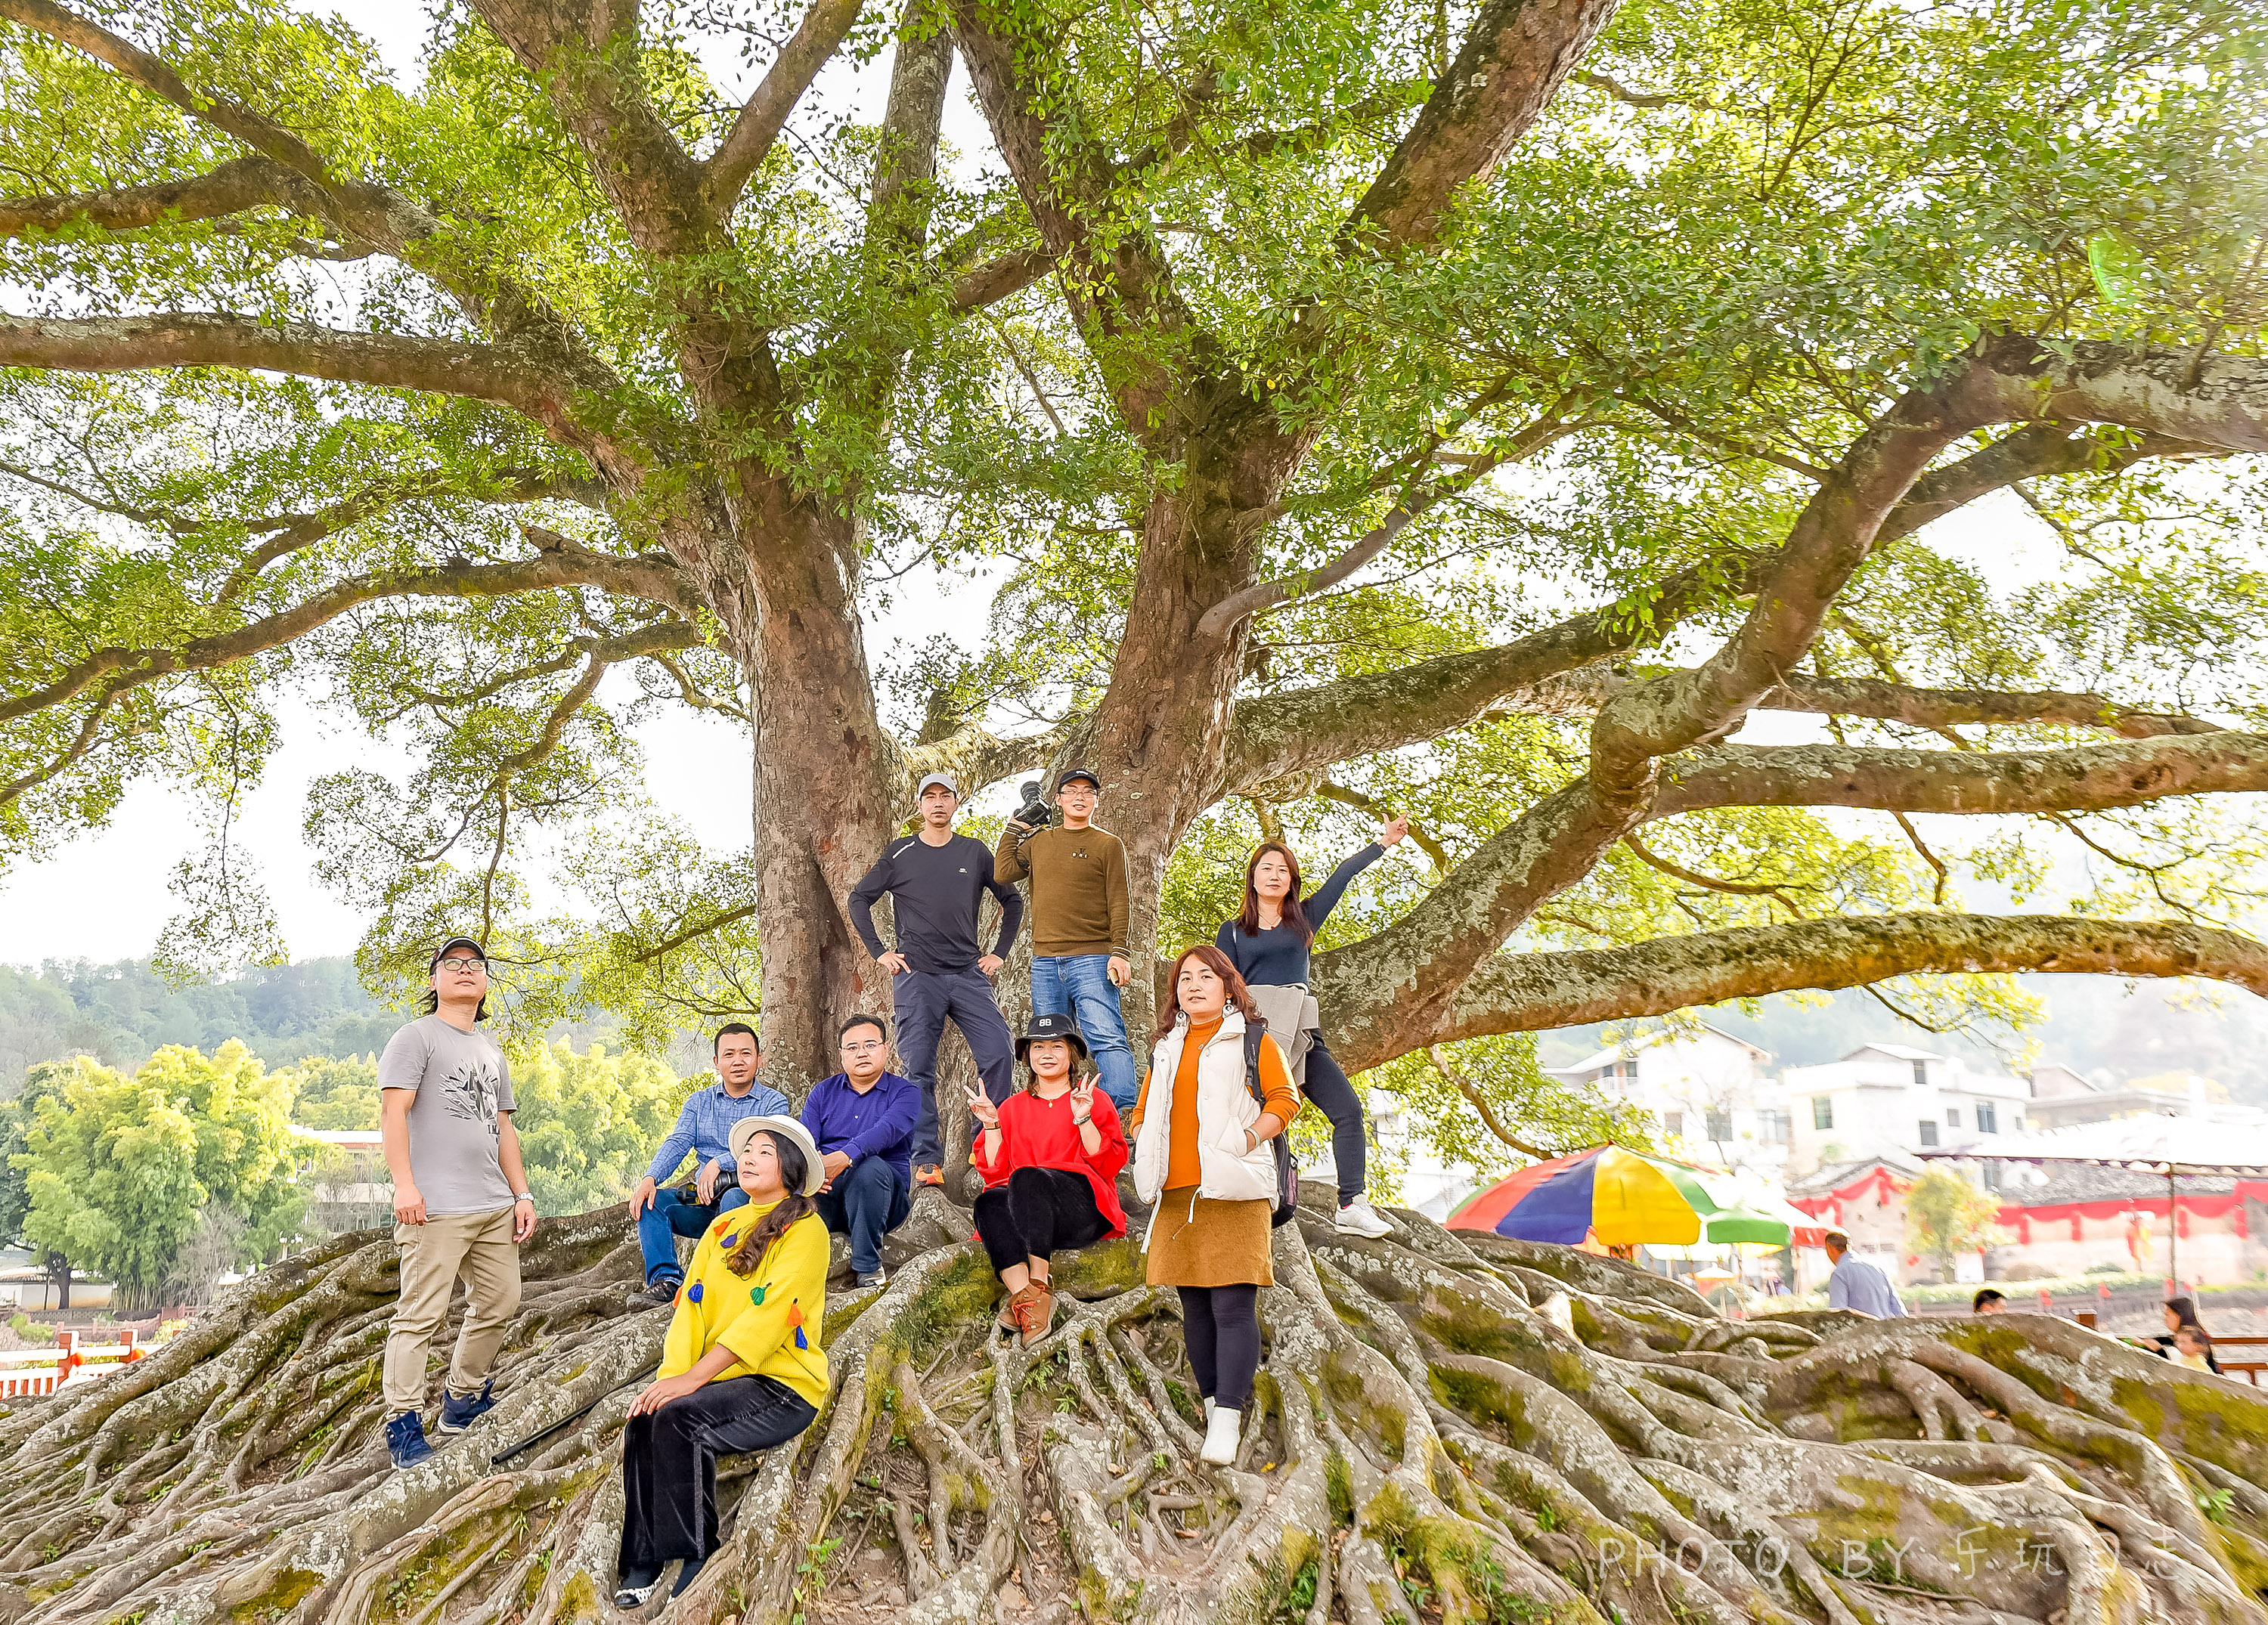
[1051, 1026]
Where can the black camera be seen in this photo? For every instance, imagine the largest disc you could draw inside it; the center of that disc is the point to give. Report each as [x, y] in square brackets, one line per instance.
[1036, 813]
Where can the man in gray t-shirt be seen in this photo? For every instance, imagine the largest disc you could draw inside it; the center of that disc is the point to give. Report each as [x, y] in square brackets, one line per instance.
[461, 1206]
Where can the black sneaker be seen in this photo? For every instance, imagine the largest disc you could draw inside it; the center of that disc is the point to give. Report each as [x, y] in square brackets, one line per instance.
[458, 1414]
[874, 1277]
[656, 1294]
[638, 1585]
[405, 1440]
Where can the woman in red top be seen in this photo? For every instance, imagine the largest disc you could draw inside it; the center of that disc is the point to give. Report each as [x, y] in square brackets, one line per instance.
[1050, 1156]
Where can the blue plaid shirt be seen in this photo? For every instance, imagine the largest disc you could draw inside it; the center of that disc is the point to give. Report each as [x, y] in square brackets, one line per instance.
[704, 1127]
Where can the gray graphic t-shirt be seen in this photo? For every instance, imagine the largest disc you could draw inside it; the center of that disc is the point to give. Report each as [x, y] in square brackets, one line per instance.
[462, 1083]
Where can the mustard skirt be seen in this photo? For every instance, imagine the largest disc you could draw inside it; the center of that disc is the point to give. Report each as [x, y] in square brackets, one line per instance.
[1218, 1244]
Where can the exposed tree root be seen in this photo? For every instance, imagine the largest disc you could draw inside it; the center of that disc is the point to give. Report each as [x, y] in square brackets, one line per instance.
[1448, 1428]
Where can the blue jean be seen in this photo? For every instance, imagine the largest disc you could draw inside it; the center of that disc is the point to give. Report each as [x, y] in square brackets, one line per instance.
[672, 1216]
[1078, 985]
[921, 1000]
[869, 1199]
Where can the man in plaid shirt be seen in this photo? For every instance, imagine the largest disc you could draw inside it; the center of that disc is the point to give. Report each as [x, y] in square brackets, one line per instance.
[704, 1128]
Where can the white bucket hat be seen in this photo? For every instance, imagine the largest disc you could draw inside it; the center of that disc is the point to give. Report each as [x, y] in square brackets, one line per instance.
[792, 1128]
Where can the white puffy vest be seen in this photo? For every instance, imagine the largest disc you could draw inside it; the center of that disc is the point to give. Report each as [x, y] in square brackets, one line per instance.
[1225, 1110]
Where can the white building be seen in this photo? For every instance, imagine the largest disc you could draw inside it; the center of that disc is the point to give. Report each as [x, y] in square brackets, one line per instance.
[1705, 1087]
[2062, 1099]
[1888, 1100]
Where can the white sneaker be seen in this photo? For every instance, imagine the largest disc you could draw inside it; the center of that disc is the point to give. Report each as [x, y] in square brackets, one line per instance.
[1223, 1431]
[1359, 1218]
[1211, 1405]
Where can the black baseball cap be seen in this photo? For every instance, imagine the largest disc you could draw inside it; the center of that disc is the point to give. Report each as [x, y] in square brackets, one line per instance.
[1070, 773]
[1051, 1026]
[442, 952]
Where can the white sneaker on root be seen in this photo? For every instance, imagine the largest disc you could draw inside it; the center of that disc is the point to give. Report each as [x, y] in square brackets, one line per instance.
[1223, 1433]
[1359, 1218]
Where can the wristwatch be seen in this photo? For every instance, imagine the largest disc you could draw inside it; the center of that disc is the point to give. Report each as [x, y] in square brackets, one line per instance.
[523, 1196]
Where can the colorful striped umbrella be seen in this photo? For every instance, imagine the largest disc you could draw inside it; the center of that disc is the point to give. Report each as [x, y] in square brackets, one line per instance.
[1623, 1197]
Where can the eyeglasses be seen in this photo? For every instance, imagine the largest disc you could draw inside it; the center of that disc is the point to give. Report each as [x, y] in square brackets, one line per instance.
[458, 961]
[860, 1049]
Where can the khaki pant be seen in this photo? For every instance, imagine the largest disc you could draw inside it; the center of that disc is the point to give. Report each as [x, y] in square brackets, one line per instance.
[477, 1246]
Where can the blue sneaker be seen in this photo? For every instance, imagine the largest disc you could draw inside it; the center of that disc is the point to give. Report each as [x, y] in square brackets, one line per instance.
[405, 1440]
[458, 1414]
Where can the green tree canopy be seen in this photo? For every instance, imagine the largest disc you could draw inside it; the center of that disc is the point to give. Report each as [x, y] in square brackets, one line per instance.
[1482, 411]
[589, 1122]
[118, 1169]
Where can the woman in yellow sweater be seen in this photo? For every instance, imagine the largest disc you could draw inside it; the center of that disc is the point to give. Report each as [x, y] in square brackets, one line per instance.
[742, 1369]
[1201, 1155]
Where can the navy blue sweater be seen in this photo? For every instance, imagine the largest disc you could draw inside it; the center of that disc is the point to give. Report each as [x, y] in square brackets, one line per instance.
[1277, 957]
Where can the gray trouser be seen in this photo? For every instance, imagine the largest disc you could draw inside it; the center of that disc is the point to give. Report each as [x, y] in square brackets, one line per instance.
[922, 1000]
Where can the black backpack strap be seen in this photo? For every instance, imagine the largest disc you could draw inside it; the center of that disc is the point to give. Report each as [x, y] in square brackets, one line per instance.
[1256, 1031]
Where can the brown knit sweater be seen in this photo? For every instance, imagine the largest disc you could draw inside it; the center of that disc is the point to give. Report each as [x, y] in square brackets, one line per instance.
[1078, 888]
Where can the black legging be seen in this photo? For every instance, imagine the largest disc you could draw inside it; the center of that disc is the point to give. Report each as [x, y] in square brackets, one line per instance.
[1037, 1211]
[1326, 1086]
[1221, 1325]
[669, 1462]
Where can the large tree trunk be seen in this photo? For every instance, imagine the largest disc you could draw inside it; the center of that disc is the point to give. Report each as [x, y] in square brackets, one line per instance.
[1449, 1427]
[824, 791]
[1162, 732]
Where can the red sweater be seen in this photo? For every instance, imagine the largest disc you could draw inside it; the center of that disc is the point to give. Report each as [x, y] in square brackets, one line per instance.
[1040, 1133]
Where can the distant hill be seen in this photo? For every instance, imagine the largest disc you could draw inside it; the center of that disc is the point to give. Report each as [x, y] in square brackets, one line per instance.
[2095, 1026]
[120, 1013]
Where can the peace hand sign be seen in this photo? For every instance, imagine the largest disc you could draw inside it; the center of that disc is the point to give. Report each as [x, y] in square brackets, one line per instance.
[981, 1107]
[1082, 1098]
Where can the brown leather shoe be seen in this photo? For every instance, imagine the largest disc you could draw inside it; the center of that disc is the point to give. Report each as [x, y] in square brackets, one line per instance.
[1011, 1319]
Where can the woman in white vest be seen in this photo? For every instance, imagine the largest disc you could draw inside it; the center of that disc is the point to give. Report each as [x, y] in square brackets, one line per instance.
[1202, 1159]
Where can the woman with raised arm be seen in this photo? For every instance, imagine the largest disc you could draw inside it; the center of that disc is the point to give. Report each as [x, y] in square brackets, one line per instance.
[1270, 943]
[741, 1368]
[1202, 1159]
[1050, 1156]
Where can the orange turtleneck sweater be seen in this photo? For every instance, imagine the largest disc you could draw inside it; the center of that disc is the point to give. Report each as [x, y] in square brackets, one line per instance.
[1182, 1165]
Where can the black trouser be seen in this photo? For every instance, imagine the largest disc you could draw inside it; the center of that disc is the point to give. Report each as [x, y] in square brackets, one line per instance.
[1326, 1086]
[1037, 1211]
[669, 1462]
[1221, 1325]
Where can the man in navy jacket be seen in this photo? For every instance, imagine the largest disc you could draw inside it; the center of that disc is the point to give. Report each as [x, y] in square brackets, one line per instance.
[863, 1119]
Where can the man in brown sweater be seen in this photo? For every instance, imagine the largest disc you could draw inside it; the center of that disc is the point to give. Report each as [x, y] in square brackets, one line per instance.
[1080, 923]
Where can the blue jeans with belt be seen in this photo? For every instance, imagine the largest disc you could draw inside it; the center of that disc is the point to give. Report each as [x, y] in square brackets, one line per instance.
[672, 1216]
[1078, 985]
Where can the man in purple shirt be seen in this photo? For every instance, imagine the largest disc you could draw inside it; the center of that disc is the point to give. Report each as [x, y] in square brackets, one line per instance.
[863, 1118]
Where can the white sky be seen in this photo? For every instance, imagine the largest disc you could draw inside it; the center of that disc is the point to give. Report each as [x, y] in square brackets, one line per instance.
[103, 896]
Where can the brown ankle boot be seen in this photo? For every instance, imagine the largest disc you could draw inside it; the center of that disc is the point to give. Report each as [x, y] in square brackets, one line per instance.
[1039, 1314]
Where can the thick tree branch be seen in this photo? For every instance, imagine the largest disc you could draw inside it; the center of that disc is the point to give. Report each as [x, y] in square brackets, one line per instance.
[586, 54]
[88, 734]
[359, 209]
[2219, 402]
[648, 575]
[1001, 278]
[765, 113]
[1951, 708]
[236, 186]
[2028, 453]
[975, 758]
[1510, 65]
[1828, 540]
[1278, 738]
[383, 360]
[1120, 290]
[1531, 992]
[2079, 779]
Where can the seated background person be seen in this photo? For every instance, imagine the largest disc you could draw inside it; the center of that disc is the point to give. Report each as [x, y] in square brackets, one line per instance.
[705, 1125]
[742, 1369]
[1050, 1156]
[863, 1119]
